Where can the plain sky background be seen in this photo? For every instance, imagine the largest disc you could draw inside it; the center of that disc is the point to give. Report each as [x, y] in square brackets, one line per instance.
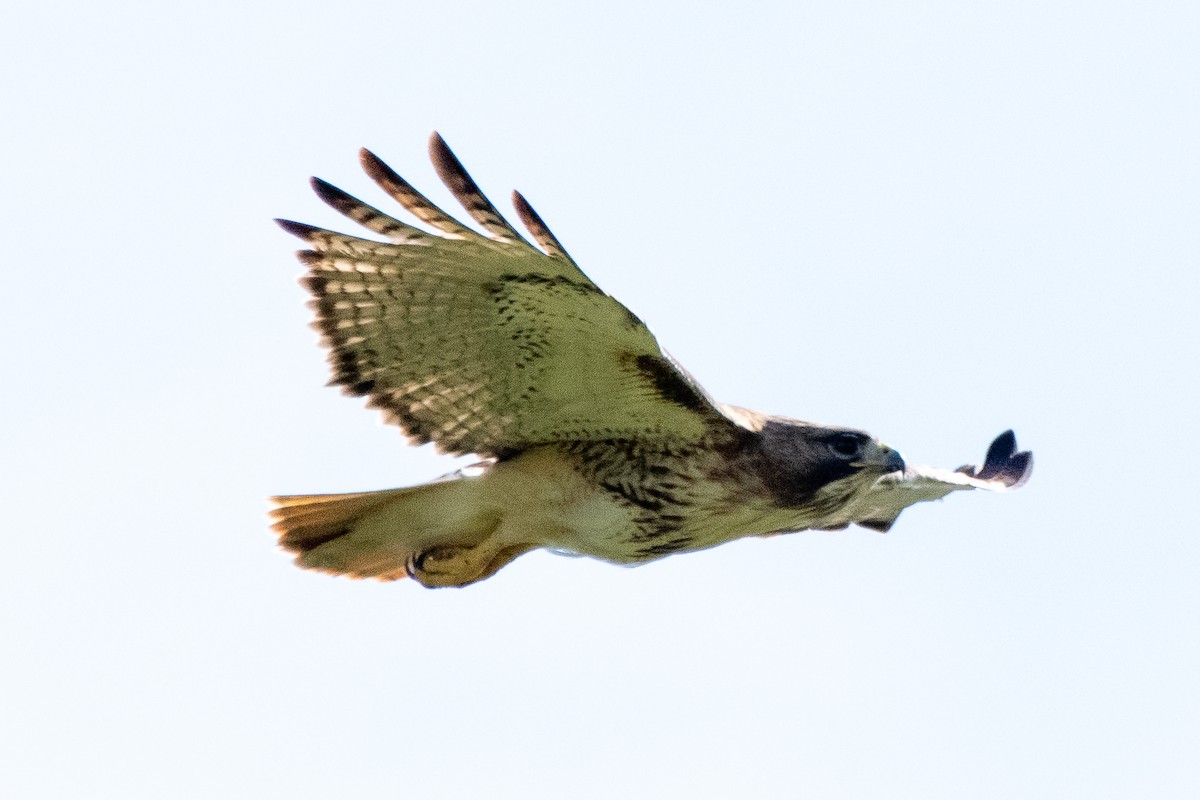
[931, 220]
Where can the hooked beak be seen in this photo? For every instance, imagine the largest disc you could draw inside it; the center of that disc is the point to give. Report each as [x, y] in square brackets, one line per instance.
[894, 462]
[882, 458]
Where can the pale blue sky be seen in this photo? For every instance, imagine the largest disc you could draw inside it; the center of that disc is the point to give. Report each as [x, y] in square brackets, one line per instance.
[930, 220]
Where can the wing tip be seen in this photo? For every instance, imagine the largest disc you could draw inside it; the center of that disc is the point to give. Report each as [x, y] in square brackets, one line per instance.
[330, 194]
[437, 143]
[365, 155]
[377, 169]
[298, 229]
[447, 165]
[537, 227]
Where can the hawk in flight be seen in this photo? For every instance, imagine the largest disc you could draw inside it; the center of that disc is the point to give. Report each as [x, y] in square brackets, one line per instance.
[595, 442]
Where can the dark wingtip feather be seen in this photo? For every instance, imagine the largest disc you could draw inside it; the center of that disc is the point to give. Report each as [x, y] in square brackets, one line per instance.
[1004, 464]
[415, 202]
[379, 171]
[331, 195]
[541, 232]
[370, 161]
[298, 229]
[444, 161]
[315, 284]
[467, 192]
[438, 146]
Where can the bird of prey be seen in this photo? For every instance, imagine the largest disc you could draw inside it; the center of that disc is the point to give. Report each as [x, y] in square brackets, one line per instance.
[594, 440]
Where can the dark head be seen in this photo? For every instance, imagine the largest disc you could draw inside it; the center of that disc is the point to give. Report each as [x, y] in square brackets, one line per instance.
[803, 459]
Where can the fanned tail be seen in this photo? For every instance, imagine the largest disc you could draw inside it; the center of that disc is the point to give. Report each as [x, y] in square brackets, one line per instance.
[381, 534]
[304, 522]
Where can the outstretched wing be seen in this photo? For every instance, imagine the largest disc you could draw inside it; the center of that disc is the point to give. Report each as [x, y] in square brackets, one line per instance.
[1003, 469]
[484, 343]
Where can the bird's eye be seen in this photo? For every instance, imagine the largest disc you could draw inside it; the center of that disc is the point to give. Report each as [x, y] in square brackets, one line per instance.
[846, 446]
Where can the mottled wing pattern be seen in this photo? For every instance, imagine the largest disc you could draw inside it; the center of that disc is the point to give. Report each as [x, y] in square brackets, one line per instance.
[1005, 468]
[483, 343]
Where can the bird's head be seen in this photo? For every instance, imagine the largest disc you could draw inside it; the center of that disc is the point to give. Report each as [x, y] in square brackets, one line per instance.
[807, 459]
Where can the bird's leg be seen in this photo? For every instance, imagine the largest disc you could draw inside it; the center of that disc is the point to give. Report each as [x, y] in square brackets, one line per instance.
[453, 565]
[446, 565]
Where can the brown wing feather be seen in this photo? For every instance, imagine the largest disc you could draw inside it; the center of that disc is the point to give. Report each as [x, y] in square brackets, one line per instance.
[413, 201]
[485, 345]
[541, 233]
[467, 192]
[368, 216]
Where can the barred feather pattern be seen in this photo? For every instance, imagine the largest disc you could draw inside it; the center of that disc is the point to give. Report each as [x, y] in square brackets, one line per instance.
[481, 342]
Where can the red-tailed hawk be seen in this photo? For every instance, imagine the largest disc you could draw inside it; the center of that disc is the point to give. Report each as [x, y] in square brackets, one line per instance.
[595, 441]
